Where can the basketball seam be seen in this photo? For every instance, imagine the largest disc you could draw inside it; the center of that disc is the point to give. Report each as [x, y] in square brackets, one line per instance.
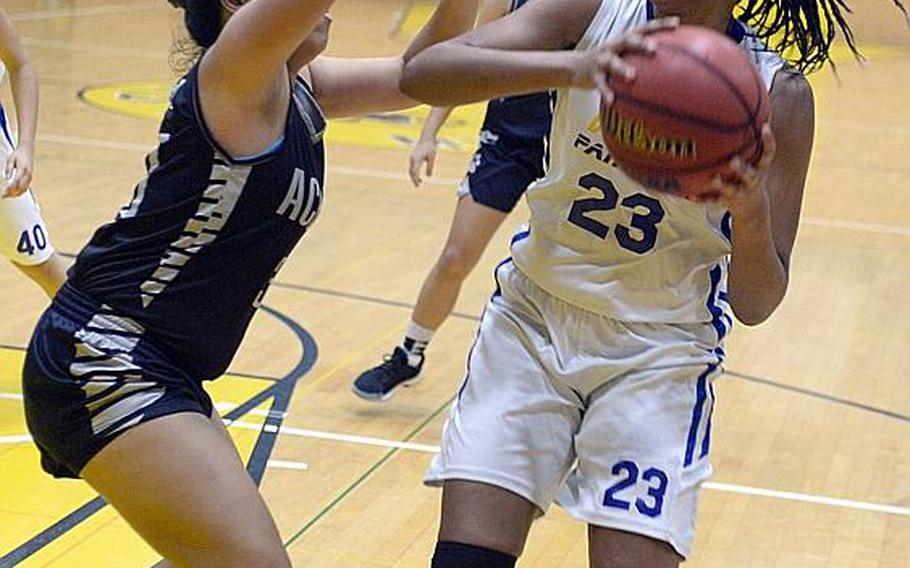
[749, 124]
[737, 94]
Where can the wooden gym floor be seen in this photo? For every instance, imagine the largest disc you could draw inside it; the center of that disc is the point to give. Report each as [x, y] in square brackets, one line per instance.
[812, 451]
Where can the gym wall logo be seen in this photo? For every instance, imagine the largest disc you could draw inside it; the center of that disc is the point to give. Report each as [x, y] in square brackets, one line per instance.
[395, 130]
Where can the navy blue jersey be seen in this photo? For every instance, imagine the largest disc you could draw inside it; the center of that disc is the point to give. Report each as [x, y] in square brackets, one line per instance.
[190, 256]
[523, 116]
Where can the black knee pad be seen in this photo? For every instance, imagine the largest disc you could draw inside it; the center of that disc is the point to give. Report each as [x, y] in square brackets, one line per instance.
[458, 555]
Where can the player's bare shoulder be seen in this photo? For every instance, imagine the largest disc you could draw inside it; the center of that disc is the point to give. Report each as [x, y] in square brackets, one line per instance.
[792, 98]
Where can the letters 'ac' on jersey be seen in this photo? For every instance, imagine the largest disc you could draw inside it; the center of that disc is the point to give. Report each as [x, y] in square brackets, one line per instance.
[189, 257]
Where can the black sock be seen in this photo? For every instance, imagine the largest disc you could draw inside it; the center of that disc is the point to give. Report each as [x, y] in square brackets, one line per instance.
[414, 347]
[457, 555]
[416, 339]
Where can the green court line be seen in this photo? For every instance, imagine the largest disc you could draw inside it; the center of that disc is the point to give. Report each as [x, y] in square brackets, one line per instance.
[366, 475]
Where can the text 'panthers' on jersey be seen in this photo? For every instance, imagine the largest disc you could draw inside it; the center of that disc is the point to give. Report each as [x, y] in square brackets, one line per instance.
[603, 242]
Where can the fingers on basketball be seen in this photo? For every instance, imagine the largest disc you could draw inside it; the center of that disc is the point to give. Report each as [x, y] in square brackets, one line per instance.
[659, 24]
[769, 147]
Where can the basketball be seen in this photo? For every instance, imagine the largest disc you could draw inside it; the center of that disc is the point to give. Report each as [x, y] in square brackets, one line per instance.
[693, 105]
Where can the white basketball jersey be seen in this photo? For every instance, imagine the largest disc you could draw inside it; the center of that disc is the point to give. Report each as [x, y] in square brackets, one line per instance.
[605, 243]
[6, 140]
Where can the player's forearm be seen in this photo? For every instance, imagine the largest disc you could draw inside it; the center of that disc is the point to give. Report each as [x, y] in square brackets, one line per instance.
[758, 277]
[484, 73]
[434, 122]
[24, 86]
[451, 18]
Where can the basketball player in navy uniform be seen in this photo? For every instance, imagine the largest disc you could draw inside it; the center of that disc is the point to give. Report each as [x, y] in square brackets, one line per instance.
[24, 238]
[509, 157]
[160, 298]
[590, 381]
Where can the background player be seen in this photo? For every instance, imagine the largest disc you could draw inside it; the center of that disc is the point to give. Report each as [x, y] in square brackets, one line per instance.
[24, 238]
[160, 298]
[604, 335]
[510, 156]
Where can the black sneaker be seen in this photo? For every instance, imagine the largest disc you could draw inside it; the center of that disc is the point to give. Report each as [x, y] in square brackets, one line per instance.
[379, 383]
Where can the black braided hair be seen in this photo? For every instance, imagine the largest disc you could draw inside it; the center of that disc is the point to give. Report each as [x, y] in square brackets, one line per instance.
[808, 26]
[202, 19]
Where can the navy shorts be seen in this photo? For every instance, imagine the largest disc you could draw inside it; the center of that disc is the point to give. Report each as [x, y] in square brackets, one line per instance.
[502, 169]
[91, 375]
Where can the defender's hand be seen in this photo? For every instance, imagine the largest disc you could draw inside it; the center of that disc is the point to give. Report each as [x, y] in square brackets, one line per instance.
[424, 152]
[18, 172]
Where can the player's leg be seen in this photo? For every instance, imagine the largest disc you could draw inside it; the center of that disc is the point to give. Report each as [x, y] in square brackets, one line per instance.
[102, 404]
[49, 275]
[496, 180]
[611, 548]
[472, 228]
[179, 482]
[642, 456]
[508, 442]
[25, 241]
[481, 525]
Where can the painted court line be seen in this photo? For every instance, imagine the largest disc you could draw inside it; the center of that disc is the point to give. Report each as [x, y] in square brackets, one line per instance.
[336, 437]
[425, 448]
[292, 465]
[84, 142]
[713, 486]
[857, 226]
[802, 497]
[383, 174]
[894, 230]
[33, 15]
[226, 406]
[10, 396]
[88, 48]
[274, 464]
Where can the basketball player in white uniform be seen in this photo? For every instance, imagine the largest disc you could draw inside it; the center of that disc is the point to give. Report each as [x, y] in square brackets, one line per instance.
[590, 381]
[24, 238]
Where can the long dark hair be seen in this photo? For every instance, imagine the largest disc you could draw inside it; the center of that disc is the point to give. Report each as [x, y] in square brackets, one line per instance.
[202, 19]
[808, 26]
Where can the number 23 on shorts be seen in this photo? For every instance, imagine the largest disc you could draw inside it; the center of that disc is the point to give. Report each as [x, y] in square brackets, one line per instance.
[636, 490]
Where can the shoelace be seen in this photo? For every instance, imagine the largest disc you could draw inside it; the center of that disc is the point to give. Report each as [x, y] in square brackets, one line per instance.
[386, 369]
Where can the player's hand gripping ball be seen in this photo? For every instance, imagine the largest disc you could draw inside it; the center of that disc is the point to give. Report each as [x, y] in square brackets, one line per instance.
[694, 104]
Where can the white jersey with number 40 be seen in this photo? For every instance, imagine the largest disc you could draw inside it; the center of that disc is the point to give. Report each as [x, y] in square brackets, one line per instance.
[23, 233]
[603, 242]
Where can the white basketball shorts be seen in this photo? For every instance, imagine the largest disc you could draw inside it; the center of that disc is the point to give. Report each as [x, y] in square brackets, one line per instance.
[611, 419]
[23, 234]
[24, 238]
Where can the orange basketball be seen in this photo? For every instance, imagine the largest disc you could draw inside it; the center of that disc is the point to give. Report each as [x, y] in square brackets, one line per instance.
[693, 105]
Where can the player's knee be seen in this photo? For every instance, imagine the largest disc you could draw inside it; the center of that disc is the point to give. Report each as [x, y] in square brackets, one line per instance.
[613, 563]
[632, 551]
[272, 561]
[633, 563]
[458, 555]
[259, 555]
[456, 263]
